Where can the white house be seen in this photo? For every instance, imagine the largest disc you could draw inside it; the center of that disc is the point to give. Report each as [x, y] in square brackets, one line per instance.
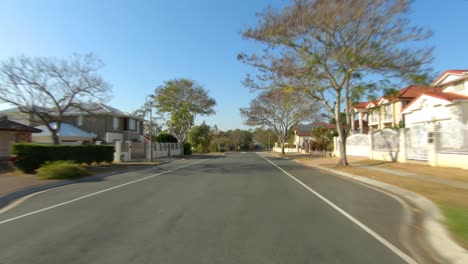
[441, 115]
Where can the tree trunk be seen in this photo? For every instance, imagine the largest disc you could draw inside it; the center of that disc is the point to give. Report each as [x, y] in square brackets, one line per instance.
[341, 134]
[282, 148]
[55, 137]
[182, 153]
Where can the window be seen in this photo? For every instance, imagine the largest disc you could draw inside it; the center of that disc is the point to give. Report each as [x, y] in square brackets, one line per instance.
[115, 123]
[388, 113]
[138, 126]
[132, 124]
[79, 121]
[459, 87]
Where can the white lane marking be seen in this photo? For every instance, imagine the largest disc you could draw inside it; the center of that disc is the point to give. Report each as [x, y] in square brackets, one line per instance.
[93, 194]
[382, 240]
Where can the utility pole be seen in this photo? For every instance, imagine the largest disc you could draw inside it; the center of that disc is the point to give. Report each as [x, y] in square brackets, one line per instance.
[149, 100]
[268, 141]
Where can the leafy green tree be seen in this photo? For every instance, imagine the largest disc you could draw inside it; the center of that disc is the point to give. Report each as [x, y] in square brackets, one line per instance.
[165, 137]
[182, 100]
[200, 137]
[217, 137]
[265, 137]
[329, 47]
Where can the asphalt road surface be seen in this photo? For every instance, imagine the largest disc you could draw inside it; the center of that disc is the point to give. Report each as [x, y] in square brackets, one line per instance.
[240, 208]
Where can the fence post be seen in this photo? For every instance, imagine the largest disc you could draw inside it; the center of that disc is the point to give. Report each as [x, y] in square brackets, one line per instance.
[129, 150]
[432, 142]
[402, 145]
[117, 151]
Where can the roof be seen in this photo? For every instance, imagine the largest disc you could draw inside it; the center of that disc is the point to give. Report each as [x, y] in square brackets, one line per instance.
[304, 130]
[360, 105]
[98, 108]
[66, 130]
[444, 96]
[445, 73]
[92, 108]
[414, 91]
[8, 125]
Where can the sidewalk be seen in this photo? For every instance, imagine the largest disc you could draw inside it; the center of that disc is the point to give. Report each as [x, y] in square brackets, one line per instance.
[453, 177]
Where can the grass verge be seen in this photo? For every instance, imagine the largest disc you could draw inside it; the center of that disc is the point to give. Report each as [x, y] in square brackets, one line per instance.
[61, 170]
[457, 220]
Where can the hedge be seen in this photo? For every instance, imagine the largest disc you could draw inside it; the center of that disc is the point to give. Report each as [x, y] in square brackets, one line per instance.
[30, 157]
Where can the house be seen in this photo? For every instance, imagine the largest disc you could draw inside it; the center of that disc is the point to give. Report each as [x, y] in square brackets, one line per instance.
[13, 132]
[303, 134]
[107, 123]
[445, 113]
[385, 112]
[360, 115]
[68, 134]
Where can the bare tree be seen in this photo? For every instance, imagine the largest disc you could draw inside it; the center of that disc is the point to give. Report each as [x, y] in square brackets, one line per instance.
[281, 110]
[46, 88]
[330, 47]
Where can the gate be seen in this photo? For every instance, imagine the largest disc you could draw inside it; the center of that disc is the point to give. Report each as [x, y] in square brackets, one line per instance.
[416, 142]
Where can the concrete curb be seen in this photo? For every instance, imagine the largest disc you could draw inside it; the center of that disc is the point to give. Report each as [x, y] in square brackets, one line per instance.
[436, 234]
[14, 195]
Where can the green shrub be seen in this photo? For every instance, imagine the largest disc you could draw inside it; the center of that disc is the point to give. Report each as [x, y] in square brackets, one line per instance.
[30, 157]
[61, 169]
[187, 149]
[165, 138]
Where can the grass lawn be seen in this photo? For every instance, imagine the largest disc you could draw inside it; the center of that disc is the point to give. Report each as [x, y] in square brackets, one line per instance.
[457, 220]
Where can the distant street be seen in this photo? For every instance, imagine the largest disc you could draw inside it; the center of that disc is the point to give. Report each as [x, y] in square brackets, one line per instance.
[235, 209]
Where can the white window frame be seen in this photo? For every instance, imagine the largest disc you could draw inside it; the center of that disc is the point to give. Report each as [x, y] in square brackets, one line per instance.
[79, 120]
[115, 123]
[132, 124]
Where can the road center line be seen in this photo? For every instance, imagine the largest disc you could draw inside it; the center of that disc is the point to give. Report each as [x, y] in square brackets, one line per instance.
[95, 193]
[382, 240]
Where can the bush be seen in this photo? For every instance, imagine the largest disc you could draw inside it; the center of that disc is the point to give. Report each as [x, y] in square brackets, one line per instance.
[61, 169]
[187, 149]
[30, 157]
[165, 138]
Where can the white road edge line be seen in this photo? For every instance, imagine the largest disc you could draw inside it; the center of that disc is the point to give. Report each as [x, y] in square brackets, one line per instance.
[95, 193]
[382, 240]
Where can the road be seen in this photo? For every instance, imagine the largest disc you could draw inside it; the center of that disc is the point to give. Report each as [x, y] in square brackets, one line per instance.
[240, 208]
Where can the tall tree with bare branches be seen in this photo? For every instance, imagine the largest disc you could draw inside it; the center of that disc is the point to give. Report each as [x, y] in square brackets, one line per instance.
[281, 110]
[47, 87]
[332, 46]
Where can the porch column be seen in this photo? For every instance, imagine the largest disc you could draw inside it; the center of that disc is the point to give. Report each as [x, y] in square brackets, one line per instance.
[352, 122]
[361, 128]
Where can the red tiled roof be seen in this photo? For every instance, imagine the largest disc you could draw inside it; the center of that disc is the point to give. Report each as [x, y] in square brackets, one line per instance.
[444, 96]
[414, 91]
[448, 96]
[449, 71]
[360, 105]
[305, 130]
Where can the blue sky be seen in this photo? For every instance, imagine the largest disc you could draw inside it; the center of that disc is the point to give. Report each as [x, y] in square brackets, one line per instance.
[144, 43]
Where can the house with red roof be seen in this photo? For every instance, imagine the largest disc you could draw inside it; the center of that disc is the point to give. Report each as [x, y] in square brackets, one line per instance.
[385, 112]
[303, 134]
[444, 112]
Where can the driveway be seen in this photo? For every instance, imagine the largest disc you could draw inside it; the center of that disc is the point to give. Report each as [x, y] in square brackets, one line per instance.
[240, 208]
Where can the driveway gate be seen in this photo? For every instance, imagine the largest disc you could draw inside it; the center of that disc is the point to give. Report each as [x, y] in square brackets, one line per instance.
[416, 142]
